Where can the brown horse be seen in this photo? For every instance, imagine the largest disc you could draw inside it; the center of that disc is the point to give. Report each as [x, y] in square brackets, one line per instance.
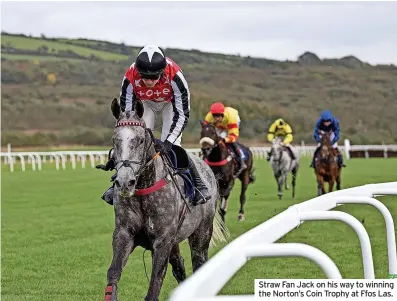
[326, 165]
[222, 162]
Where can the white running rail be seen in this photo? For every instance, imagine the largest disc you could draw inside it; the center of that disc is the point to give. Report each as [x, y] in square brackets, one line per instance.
[61, 158]
[260, 242]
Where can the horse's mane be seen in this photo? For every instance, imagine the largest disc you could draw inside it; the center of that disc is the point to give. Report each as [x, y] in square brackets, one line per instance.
[326, 139]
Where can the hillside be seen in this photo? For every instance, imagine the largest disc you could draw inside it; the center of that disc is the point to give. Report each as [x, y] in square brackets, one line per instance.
[58, 91]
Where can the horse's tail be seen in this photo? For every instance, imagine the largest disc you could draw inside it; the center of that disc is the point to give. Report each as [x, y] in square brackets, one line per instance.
[220, 232]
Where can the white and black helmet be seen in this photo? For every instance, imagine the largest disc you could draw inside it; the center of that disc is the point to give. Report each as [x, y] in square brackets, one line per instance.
[150, 62]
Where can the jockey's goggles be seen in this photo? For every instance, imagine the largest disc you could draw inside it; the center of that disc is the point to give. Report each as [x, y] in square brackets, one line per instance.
[152, 76]
[217, 115]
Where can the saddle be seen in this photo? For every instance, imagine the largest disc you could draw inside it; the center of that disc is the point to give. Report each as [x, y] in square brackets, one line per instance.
[231, 152]
[180, 164]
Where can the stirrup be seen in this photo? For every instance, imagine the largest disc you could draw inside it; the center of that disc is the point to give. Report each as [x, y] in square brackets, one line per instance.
[199, 198]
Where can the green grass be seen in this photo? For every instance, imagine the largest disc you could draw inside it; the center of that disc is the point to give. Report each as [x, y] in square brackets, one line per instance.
[34, 44]
[26, 57]
[57, 232]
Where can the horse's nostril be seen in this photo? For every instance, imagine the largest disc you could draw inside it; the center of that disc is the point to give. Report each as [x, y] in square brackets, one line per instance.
[131, 182]
[117, 183]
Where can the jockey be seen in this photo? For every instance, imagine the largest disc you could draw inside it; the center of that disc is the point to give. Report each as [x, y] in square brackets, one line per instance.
[280, 128]
[227, 121]
[328, 123]
[158, 82]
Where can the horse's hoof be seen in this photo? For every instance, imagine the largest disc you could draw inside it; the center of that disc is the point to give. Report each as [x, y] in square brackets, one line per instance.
[241, 217]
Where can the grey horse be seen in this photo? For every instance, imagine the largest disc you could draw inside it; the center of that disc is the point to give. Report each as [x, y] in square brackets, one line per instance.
[151, 210]
[282, 165]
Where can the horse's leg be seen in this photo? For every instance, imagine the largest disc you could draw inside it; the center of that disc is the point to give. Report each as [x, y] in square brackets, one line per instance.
[294, 175]
[286, 182]
[331, 184]
[177, 263]
[199, 242]
[223, 207]
[244, 184]
[123, 245]
[338, 180]
[160, 257]
[279, 179]
[320, 185]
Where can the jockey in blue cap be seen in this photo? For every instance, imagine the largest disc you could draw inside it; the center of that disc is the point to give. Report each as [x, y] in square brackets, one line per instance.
[328, 123]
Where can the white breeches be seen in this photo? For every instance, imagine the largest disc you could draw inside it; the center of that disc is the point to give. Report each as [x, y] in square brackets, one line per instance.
[152, 109]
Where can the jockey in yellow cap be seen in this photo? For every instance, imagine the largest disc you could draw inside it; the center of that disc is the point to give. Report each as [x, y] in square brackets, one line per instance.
[227, 122]
[280, 128]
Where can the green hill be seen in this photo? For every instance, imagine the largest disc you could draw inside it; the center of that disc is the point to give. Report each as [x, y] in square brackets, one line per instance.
[74, 108]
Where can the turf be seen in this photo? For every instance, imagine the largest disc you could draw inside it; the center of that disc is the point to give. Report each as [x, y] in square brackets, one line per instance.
[56, 233]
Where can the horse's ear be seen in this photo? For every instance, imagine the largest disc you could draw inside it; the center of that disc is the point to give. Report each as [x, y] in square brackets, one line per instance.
[139, 108]
[115, 107]
[202, 123]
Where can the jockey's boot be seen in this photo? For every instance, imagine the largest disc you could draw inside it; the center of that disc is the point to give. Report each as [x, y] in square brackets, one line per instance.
[252, 177]
[269, 154]
[340, 158]
[240, 161]
[241, 164]
[314, 156]
[202, 195]
[291, 153]
[107, 196]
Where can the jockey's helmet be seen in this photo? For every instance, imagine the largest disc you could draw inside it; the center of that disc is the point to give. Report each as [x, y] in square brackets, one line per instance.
[326, 115]
[150, 62]
[280, 122]
[218, 108]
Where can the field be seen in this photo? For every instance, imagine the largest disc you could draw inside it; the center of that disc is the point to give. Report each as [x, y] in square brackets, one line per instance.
[54, 47]
[56, 233]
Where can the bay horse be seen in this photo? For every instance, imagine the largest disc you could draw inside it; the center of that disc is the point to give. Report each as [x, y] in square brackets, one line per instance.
[150, 209]
[221, 160]
[326, 166]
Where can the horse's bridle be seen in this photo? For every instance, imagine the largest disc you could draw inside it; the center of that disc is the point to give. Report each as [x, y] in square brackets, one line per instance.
[210, 149]
[129, 163]
[216, 144]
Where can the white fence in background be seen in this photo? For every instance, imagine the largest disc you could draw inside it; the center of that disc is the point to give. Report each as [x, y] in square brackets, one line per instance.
[259, 242]
[95, 157]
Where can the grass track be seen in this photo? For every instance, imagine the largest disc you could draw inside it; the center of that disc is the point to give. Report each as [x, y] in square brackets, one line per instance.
[56, 233]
